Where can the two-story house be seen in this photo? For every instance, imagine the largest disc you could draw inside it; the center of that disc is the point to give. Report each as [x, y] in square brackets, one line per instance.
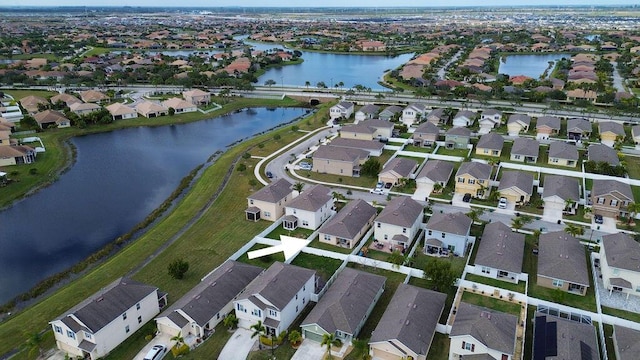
[197, 96]
[373, 147]
[345, 307]
[470, 334]
[635, 133]
[309, 209]
[103, 321]
[338, 160]
[368, 130]
[349, 225]
[490, 145]
[275, 297]
[413, 113]
[562, 263]
[610, 198]
[392, 112]
[500, 253]
[547, 126]
[620, 263]
[344, 110]
[399, 222]
[473, 178]
[489, 119]
[560, 194]
[200, 310]
[525, 150]
[457, 138]
[268, 203]
[366, 112]
[425, 135]
[626, 342]
[559, 338]
[447, 231]
[437, 116]
[408, 325]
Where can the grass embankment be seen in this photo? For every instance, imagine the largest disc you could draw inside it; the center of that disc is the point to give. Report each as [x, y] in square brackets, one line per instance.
[216, 235]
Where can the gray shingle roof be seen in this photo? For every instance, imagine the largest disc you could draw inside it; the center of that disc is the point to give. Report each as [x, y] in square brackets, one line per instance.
[627, 342]
[400, 211]
[273, 192]
[339, 153]
[346, 104]
[578, 125]
[214, 292]
[611, 126]
[459, 131]
[357, 144]
[438, 113]
[520, 118]
[620, 190]
[369, 109]
[312, 199]
[278, 284]
[574, 340]
[548, 121]
[603, 153]
[525, 147]
[561, 256]
[391, 110]
[378, 124]
[350, 220]
[427, 128]
[411, 318]
[491, 141]
[403, 166]
[562, 186]
[436, 170]
[477, 170]
[465, 113]
[622, 251]
[109, 303]
[452, 223]
[501, 248]
[519, 179]
[344, 306]
[494, 329]
[417, 106]
[563, 150]
[491, 112]
[635, 131]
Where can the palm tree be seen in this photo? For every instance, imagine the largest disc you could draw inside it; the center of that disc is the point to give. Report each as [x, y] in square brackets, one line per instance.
[178, 339]
[574, 230]
[295, 337]
[298, 186]
[633, 208]
[475, 214]
[261, 331]
[230, 321]
[307, 83]
[330, 340]
[516, 223]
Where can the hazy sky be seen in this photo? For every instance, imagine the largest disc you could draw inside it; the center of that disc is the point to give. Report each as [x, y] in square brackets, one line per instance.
[300, 3]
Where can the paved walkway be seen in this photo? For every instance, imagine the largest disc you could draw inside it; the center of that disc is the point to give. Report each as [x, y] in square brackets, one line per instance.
[238, 346]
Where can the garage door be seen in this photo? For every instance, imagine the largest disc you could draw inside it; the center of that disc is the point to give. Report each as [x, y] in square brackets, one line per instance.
[312, 336]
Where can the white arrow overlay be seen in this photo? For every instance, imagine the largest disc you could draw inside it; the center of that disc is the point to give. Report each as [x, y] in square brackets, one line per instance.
[289, 245]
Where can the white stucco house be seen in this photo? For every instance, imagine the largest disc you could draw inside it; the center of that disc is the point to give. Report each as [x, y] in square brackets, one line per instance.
[448, 232]
[413, 113]
[275, 297]
[343, 109]
[398, 223]
[309, 209]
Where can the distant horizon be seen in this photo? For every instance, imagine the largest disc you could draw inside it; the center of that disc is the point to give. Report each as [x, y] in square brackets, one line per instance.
[325, 4]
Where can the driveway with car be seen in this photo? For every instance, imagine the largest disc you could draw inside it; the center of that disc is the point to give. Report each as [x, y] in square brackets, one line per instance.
[162, 339]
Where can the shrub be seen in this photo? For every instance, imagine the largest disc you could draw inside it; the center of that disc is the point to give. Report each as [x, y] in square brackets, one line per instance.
[242, 167]
[179, 350]
[178, 268]
[33, 171]
[246, 155]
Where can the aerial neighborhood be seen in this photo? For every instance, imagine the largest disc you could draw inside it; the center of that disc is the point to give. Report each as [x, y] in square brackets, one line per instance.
[454, 212]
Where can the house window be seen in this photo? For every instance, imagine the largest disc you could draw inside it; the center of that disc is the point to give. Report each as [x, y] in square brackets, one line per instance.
[267, 214]
[600, 200]
[517, 157]
[296, 296]
[404, 230]
[294, 212]
[87, 335]
[304, 287]
[554, 160]
[614, 202]
[378, 225]
[305, 223]
[386, 237]
[58, 329]
[486, 151]
[124, 316]
[303, 300]
[461, 180]
[480, 181]
[468, 346]
[138, 306]
[71, 334]
[126, 329]
[327, 237]
[251, 201]
[139, 319]
[557, 283]
[429, 232]
[256, 312]
[241, 308]
[471, 181]
[273, 312]
[486, 270]
[296, 308]
[442, 235]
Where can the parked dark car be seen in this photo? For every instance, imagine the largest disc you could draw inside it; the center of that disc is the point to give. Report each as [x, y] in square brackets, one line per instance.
[598, 219]
[269, 174]
[466, 197]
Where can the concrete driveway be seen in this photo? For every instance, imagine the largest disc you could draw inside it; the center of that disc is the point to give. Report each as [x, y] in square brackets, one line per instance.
[238, 346]
[162, 339]
[309, 350]
[552, 213]
[457, 201]
[422, 191]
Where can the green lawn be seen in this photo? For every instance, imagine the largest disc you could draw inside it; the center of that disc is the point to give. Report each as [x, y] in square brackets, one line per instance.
[519, 287]
[324, 246]
[325, 266]
[608, 337]
[492, 303]
[453, 152]
[420, 260]
[299, 233]
[19, 94]
[528, 344]
[631, 316]
[129, 348]
[505, 155]
[362, 181]
[263, 261]
[439, 349]
[633, 166]
[421, 149]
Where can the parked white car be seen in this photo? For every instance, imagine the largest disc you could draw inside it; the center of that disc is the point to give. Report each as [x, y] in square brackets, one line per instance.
[502, 203]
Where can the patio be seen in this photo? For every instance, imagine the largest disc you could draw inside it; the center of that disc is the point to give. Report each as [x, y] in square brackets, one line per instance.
[615, 299]
[385, 246]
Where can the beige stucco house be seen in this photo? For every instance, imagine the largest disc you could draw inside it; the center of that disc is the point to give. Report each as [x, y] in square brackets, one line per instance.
[197, 96]
[328, 159]
[516, 186]
[473, 178]
[610, 198]
[397, 169]
[398, 223]
[268, 203]
[349, 225]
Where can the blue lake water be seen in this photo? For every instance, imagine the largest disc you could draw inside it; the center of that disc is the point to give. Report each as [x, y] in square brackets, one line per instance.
[118, 179]
[531, 65]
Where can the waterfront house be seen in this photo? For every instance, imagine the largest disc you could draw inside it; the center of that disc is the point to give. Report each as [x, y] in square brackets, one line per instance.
[563, 154]
[610, 198]
[84, 108]
[343, 110]
[180, 106]
[500, 253]
[610, 131]
[65, 98]
[425, 135]
[345, 307]
[457, 138]
[564, 338]
[547, 126]
[482, 333]
[366, 112]
[197, 96]
[309, 209]
[336, 160]
[464, 118]
[620, 263]
[450, 232]
[408, 324]
[578, 128]
[349, 225]
[525, 150]
[196, 314]
[93, 96]
[107, 318]
[473, 178]
[16, 155]
[516, 186]
[398, 223]
[562, 263]
[413, 113]
[490, 145]
[396, 170]
[33, 103]
[121, 111]
[150, 109]
[268, 203]
[603, 153]
[518, 123]
[51, 118]
[276, 297]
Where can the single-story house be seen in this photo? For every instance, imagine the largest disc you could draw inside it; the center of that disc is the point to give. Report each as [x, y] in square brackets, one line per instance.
[565, 338]
[16, 155]
[397, 169]
[516, 186]
[563, 154]
[32, 103]
[349, 225]
[121, 111]
[610, 131]
[603, 153]
[578, 128]
[179, 106]
[464, 118]
[84, 108]
[562, 263]
[408, 324]
[150, 109]
[500, 253]
[345, 307]
[49, 118]
[65, 98]
[547, 126]
[518, 123]
[93, 96]
[490, 145]
[525, 150]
